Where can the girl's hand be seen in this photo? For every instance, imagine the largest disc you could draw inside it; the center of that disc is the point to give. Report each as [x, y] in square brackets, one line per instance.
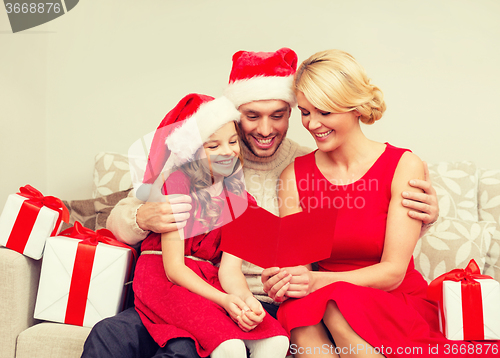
[252, 318]
[235, 307]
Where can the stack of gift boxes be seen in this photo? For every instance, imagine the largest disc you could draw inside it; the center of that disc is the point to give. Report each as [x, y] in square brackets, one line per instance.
[83, 274]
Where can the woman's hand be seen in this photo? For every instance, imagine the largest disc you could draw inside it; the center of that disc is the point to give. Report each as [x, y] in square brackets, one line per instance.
[276, 283]
[293, 282]
[424, 206]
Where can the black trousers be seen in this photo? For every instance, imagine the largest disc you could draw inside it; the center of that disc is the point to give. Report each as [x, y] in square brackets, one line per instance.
[124, 336]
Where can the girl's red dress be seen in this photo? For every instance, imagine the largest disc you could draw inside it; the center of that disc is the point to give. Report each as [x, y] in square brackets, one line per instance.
[402, 322]
[170, 311]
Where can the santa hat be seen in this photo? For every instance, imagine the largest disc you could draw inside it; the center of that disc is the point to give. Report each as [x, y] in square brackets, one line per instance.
[259, 76]
[184, 130]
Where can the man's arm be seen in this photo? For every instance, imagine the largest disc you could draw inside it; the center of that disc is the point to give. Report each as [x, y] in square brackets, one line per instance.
[132, 219]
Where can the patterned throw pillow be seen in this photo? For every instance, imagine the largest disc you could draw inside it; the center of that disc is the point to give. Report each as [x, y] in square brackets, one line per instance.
[450, 244]
[105, 204]
[456, 186]
[111, 174]
[93, 213]
[82, 211]
[489, 209]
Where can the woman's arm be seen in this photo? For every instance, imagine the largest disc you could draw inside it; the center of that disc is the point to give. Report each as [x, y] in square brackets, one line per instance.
[424, 205]
[177, 272]
[401, 236]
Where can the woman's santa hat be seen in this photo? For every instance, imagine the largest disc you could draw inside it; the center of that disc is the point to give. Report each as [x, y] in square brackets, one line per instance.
[184, 130]
[259, 76]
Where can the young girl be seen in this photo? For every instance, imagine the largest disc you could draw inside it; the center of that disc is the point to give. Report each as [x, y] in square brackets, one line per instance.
[179, 290]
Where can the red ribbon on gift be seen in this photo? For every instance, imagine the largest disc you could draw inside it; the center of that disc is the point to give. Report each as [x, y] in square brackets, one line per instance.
[26, 218]
[82, 269]
[472, 306]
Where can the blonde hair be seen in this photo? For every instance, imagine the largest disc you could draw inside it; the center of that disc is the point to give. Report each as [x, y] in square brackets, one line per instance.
[333, 81]
[200, 179]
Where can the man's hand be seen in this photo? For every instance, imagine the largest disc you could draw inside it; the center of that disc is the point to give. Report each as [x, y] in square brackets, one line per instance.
[424, 206]
[165, 216]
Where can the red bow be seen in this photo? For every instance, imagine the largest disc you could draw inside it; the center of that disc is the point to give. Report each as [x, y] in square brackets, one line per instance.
[90, 237]
[35, 196]
[472, 308]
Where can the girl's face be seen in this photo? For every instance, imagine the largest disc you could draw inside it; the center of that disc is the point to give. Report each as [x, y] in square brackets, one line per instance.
[330, 130]
[222, 150]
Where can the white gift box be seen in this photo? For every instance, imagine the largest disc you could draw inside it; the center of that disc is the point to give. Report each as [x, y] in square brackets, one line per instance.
[42, 228]
[107, 282]
[452, 307]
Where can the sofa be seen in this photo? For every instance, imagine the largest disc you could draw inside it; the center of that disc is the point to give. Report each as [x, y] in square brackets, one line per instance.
[468, 228]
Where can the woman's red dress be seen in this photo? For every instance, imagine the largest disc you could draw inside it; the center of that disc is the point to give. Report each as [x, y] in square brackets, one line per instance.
[400, 323]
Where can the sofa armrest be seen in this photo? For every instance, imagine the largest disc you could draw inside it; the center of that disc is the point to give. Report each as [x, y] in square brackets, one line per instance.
[19, 277]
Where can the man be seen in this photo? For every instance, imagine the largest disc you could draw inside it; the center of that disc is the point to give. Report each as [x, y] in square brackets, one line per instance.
[260, 86]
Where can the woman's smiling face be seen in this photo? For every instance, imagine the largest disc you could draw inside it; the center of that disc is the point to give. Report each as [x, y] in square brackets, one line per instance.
[329, 130]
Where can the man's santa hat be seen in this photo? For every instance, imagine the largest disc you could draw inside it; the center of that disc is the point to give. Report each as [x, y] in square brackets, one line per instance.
[259, 76]
[183, 131]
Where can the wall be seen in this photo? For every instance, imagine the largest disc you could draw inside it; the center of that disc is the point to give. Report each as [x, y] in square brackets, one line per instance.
[104, 74]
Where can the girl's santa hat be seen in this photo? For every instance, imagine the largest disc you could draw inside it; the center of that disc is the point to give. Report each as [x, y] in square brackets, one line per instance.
[184, 130]
[259, 76]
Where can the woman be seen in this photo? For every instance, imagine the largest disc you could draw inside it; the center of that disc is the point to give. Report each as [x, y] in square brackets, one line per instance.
[367, 299]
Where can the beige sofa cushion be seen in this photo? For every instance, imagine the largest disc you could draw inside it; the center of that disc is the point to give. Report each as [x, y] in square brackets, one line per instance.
[47, 340]
[452, 243]
[456, 185]
[489, 209]
[18, 286]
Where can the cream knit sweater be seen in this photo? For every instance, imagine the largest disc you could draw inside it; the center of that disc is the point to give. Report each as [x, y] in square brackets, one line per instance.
[261, 176]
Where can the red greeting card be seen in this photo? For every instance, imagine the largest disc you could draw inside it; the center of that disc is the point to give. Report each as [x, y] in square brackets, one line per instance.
[266, 240]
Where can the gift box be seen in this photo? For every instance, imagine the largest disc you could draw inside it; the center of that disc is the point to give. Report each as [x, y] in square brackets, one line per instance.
[469, 304]
[28, 219]
[83, 276]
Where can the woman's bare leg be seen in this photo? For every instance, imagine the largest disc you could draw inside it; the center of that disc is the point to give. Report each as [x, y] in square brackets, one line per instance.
[348, 342]
[311, 342]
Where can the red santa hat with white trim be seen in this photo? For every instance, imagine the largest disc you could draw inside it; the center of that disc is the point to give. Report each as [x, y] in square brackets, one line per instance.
[257, 76]
[183, 131]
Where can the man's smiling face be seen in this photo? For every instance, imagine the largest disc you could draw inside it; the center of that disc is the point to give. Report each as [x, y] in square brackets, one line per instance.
[264, 125]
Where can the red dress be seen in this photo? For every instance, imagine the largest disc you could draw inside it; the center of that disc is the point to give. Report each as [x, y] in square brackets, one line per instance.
[169, 311]
[401, 322]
